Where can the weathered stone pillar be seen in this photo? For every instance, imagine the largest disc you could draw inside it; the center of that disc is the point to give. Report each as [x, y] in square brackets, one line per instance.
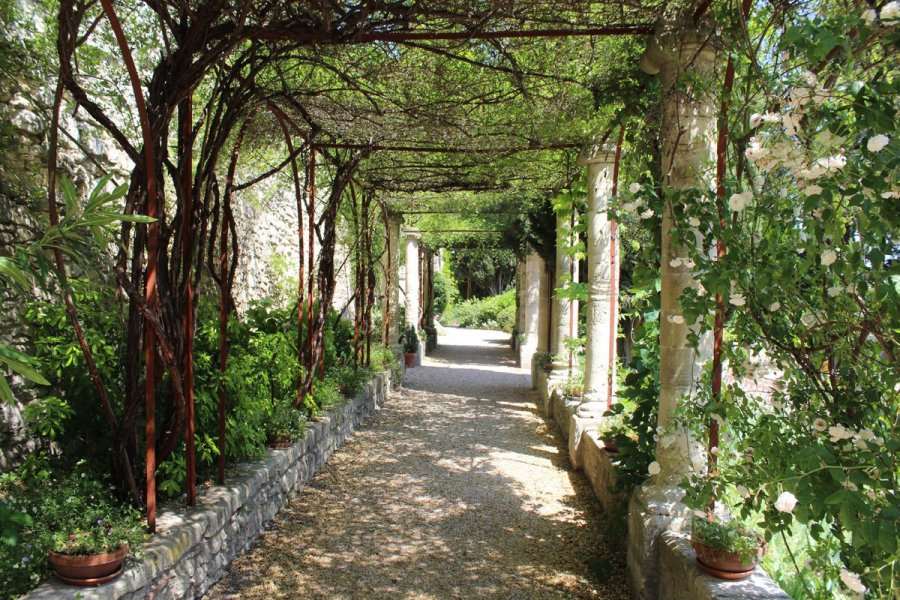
[595, 397]
[544, 318]
[413, 315]
[530, 299]
[392, 268]
[685, 59]
[563, 308]
[600, 163]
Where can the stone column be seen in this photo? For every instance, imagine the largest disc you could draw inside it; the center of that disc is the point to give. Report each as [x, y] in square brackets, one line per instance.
[412, 235]
[600, 162]
[685, 59]
[561, 306]
[544, 318]
[530, 300]
[392, 298]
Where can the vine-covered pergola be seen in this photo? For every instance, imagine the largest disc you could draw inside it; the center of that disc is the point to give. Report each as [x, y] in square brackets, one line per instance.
[404, 104]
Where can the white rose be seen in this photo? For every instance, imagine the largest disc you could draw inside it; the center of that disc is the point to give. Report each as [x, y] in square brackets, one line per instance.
[850, 579]
[675, 263]
[820, 424]
[839, 432]
[867, 434]
[737, 300]
[771, 118]
[786, 502]
[808, 319]
[694, 222]
[835, 291]
[653, 468]
[869, 15]
[828, 258]
[634, 188]
[876, 143]
[775, 306]
[738, 202]
[647, 213]
[890, 11]
[755, 120]
[810, 78]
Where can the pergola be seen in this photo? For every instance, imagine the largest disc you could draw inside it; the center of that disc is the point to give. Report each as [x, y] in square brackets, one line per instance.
[267, 69]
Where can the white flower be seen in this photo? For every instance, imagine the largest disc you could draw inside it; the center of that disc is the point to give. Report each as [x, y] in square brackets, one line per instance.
[694, 222]
[688, 263]
[835, 291]
[742, 491]
[850, 579]
[810, 78]
[869, 15]
[786, 502]
[876, 143]
[737, 300]
[775, 306]
[791, 123]
[891, 194]
[808, 319]
[677, 319]
[812, 190]
[653, 468]
[890, 11]
[828, 257]
[839, 432]
[714, 450]
[860, 443]
[739, 202]
[771, 118]
[675, 263]
[634, 188]
[867, 434]
[832, 163]
[647, 213]
[820, 424]
[630, 207]
[755, 120]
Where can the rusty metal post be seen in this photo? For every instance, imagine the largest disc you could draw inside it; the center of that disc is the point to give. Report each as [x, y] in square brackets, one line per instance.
[188, 317]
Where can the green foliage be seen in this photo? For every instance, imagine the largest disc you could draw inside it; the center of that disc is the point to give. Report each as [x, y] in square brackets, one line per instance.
[47, 416]
[285, 423]
[443, 293]
[726, 536]
[493, 312]
[64, 508]
[384, 359]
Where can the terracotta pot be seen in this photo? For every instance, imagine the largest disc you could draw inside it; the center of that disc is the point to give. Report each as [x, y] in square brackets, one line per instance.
[577, 392]
[410, 358]
[724, 565]
[92, 569]
[610, 446]
[548, 368]
[279, 442]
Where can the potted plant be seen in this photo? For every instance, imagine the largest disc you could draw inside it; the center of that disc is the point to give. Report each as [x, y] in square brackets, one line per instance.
[285, 425]
[87, 532]
[411, 346]
[727, 550]
[546, 362]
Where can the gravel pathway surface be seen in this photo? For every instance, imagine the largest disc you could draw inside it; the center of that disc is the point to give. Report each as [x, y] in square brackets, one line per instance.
[456, 489]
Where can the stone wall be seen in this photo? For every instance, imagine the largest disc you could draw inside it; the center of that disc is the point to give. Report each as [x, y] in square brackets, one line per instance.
[195, 546]
[661, 562]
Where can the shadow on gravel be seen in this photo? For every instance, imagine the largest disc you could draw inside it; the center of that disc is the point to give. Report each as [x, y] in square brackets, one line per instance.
[456, 489]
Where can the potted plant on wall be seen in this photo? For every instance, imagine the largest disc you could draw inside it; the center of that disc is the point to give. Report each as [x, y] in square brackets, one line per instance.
[87, 532]
[726, 549]
[410, 346]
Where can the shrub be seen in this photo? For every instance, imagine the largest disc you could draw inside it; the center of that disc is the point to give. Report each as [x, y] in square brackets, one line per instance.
[493, 312]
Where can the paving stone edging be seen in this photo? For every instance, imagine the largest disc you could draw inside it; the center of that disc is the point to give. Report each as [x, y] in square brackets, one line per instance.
[195, 546]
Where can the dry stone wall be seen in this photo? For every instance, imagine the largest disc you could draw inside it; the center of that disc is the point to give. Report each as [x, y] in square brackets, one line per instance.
[195, 546]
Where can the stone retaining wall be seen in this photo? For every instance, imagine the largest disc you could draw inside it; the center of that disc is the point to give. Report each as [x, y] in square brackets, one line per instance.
[195, 546]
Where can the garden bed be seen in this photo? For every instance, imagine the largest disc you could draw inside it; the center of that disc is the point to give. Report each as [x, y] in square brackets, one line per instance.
[194, 546]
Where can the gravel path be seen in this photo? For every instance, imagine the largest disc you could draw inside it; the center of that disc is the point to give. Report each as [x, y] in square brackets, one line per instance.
[456, 489]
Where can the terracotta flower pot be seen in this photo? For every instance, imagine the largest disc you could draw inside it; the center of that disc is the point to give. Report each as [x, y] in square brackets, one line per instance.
[278, 441]
[410, 358]
[92, 569]
[724, 565]
[610, 446]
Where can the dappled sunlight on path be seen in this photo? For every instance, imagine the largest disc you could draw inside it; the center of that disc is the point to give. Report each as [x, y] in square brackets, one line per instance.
[456, 489]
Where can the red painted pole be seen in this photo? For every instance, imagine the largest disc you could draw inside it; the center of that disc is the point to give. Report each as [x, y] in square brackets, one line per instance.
[223, 341]
[187, 255]
[311, 216]
[150, 293]
[613, 272]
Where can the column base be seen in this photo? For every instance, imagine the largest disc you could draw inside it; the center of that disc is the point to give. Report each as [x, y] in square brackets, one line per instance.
[579, 427]
[654, 509]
